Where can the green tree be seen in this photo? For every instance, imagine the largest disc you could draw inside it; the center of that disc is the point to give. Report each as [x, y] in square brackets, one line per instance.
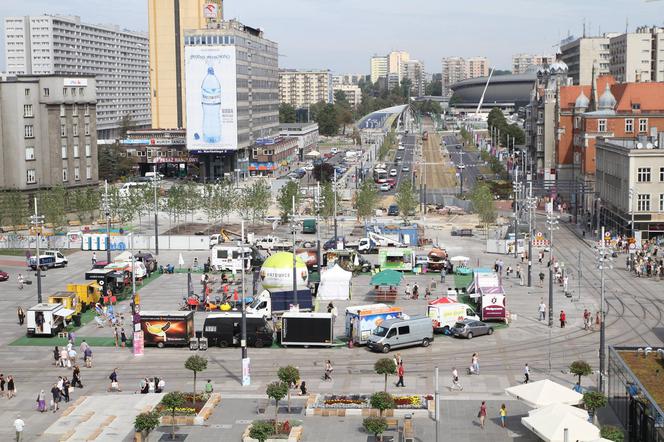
[113, 162]
[289, 375]
[285, 199]
[16, 211]
[482, 200]
[323, 172]
[382, 401]
[434, 88]
[52, 204]
[146, 422]
[277, 391]
[286, 113]
[385, 366]
[406, 199]
[357, 138]
[196, 364]
[344, 117]
[261, 430]
[593, 400]
[172, 401]
[375, 425]
[612, 433]
[254, 200]
[366, 200]
[326, 117]
[327, 201]
[580, 368]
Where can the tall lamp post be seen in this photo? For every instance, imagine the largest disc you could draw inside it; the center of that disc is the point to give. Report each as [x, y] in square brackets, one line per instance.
[106, 205]
[603, 261]
[531, 202]
[294, 229]
[552, 222]
[37, 222]
[156, 221]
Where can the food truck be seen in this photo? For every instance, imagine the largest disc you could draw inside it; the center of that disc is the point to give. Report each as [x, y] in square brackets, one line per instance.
[163, 328]
[47, 319]
[362, 319]
[393, 258]
[490, 296]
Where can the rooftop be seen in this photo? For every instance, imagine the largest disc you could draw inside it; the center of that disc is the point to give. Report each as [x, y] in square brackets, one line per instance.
[644, 145]
[649, 370]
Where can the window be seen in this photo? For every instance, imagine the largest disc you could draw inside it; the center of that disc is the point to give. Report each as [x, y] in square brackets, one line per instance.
[74, 129]
[27, 92]
[46, 92]
[29, 153]
[629, 125]
[76, 155]
[31, 176]
[87, 129]
[87, 109]
[28, 131]
[64, 150]
[64, 174]
[64, 91]
[601, 125]
[77, 174]
[62, 110]
[88, 172]
[74, 110]
[27, 110]
[661, 173]
[661, 202]
[404, 330]
[643, 175]
[643, 202]
[643, 124]
[81, 90]
[88, 151]
[73, 92]
[63, 130]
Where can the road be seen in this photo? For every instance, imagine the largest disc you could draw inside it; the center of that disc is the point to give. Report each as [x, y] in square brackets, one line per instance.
[471, 161]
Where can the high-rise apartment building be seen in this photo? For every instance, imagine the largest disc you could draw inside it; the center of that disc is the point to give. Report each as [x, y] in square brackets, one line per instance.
[454, 70]
[636, 56]
[58, 45]
[340, 79]
[396, 61]
[257, 93]
[167, 22]
[48, 133]
[522, 62]
[378, 67]
[304, 88]
[478, 67]
[582, 54]
[414, 71]
[352, 93]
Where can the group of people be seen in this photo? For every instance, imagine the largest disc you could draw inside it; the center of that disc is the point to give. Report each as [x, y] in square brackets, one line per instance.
[502, 412]
[60, 391]
[153, 385]
[9, 383]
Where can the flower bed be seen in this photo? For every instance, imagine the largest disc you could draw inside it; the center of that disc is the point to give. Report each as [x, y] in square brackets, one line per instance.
[362, 401]
[189, 414]
[189, 408]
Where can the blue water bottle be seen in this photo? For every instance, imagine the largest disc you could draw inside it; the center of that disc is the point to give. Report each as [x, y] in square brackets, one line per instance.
[211, 102]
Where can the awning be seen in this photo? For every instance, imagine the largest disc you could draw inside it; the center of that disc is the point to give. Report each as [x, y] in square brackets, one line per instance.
[545, 392]
[313, 153]
[387, 277]
[64, 312]
[551, 428]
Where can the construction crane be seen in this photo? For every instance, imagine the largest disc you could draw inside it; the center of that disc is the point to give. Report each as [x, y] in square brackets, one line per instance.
[479, 105]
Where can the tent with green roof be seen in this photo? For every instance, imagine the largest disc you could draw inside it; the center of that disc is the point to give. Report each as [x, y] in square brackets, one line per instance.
[387, 277]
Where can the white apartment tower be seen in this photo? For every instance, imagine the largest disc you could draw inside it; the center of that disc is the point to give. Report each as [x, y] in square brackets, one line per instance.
[582, 54]
[59, 45]
[521, 62]
[638, 56]
[304, 88]
[378, 67]
[454, 70]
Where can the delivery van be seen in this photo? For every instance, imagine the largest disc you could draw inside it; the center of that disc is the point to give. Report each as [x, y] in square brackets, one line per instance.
[398, 333]
[444, 316]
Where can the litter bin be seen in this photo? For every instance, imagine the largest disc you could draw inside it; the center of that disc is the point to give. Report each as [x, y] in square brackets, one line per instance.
[193, 345]
[206, 268]
[77, 320]
[203, 344]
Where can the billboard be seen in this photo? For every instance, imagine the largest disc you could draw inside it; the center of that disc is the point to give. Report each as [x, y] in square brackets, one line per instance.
[211, 98]
[173, 329]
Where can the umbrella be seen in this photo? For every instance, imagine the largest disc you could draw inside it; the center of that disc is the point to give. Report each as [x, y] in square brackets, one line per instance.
[313, 153]
[387, 277]
[459, 259]
[552, 428]
[545, 392]
[180, 260]
[557, 410]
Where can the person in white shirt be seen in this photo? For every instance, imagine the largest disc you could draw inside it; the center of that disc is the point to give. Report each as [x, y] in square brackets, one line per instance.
[542, 310]
[526, 374]
[455, 379]
[18, 426]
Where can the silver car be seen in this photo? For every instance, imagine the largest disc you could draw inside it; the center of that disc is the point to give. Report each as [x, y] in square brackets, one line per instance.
[469, 328]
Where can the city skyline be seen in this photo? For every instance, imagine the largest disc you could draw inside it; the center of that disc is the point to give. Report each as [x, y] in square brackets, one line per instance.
[343, 39]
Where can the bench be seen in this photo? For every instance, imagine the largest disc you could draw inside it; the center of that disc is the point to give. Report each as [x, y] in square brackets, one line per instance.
[389, 295]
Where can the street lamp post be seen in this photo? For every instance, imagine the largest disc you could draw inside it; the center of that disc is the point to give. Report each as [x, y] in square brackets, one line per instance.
[156, 222]
[37, 222]
[552, 222]
[294, 258]
[334, 187]
[603, 261]
[133, 265]
[106, 204]
[531, 208]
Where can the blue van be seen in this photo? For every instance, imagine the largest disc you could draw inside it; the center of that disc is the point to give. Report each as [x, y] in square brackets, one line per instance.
[393, 210]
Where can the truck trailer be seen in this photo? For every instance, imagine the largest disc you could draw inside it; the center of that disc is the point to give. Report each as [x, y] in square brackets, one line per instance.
[362, 319]
[268, 303]
[225, 329]
[307, 329]
[163, 328]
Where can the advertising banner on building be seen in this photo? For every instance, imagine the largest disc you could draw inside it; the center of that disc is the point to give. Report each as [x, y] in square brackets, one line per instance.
[210, 82]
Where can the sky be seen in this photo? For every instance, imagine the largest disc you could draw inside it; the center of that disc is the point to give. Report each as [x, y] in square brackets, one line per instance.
[342, 35]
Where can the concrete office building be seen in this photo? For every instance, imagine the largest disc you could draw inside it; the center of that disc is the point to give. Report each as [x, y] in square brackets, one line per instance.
[378, 67]
[257, 84]
[167, 22]
[478, 67]
[301, 89]
[396, 61]
[636, 56]
[48, 133]
[58, 45]
[353, 93]
[581, 54]
[522, 62]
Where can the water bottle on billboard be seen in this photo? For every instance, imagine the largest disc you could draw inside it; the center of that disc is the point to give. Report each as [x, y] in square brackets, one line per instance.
[211, 102]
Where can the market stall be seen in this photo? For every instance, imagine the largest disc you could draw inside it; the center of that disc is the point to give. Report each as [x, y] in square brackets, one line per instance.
[385, 285]
[335, 284]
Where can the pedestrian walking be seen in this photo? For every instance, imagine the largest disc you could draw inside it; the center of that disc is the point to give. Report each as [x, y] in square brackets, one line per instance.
[408, 291]
[55, 397]
[503, 415]
[586, 319]
[56, 355]
[475, 363]
[94, 258]
[443, 272]
[328, 371]
[123, 337]
[2, 385]
[72, 357]
[455, 380]
[526, 374]
[116, 336]
[482, 414]
[65, 388]
[598, 321]
[541, 256]
[209, 388]
[41, 401]
[303, 388]
[563, 319]
[11, 387]
[400, 372]
[542, 310]
[21, 315]
[18, 426]
[87, 357]
[76, 377]
[64, 357]
[416, 291]
[115, 385]
[541, 278]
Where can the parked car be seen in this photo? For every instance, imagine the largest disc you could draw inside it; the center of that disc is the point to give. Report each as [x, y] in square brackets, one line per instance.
[462, 232]
[147, 259]
[469, 328]
[405, 169]
[393, 172]
[385, 187]
[393, 210]
[401, 147]
[331, 243]
[398, 158]
[4, 276]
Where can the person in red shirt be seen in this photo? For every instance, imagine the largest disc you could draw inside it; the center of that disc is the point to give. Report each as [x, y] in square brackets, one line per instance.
[400, 372]
[563, 319]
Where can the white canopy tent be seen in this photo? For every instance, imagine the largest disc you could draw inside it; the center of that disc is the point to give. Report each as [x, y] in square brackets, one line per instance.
[334, 284]
[551, 428]
[559, 410]
[312, 154]
[460, 259]
[545, 392]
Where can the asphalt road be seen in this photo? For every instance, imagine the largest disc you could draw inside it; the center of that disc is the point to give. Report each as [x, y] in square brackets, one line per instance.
[407, 155]
[471, 161]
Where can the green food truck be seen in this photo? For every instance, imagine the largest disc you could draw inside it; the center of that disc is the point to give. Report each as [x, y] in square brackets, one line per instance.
[397, 258]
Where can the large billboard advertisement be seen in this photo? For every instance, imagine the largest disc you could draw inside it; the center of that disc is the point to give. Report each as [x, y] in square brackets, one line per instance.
[211, 98]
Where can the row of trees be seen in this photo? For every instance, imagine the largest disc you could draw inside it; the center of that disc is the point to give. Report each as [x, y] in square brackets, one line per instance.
[496, 119]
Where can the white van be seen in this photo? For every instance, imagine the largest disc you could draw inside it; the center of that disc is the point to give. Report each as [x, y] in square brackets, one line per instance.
[397, 333]
[129, 187]
[444, 316]
[156, 176]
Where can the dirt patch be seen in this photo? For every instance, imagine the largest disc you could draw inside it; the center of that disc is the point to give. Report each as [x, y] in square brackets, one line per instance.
[209, 229]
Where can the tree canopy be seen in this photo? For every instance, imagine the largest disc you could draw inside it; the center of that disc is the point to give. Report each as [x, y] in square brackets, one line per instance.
[287, 113]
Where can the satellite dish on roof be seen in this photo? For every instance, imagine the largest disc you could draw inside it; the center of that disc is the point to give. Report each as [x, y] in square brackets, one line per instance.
[639, 145]
[649, 146]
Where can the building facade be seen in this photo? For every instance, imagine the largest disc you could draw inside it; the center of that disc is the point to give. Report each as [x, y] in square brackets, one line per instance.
[58, 45]
[630, 184]
[301, 89]
[584, 54]
[638, 56]
[306, 135]
[164, 148]
[352, 93]
[48, 132]
[414, 71]
[346, 79]
[257, 89]
[167, 22]
[522, 62]
[378, 67]
[454, 70]
[271, 154]
[478, 67]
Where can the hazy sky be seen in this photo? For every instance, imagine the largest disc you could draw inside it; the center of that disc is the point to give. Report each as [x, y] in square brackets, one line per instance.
[342, 34]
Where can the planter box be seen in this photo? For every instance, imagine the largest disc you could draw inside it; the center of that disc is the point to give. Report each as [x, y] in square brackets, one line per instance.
[198, 419]
[313, 410]
[295, 435]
